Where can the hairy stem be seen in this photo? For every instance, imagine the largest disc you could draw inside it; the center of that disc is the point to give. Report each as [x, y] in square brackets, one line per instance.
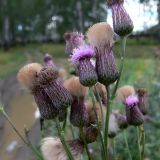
[138, 144]
[63, 141]
[99, 129]
[85, 143]
[127, 146]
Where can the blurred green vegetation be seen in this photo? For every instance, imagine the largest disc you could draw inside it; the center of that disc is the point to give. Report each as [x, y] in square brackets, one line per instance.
[139, 71]
[11, 60]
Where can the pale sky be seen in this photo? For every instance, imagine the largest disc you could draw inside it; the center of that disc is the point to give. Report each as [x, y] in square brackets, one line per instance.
[142, 16]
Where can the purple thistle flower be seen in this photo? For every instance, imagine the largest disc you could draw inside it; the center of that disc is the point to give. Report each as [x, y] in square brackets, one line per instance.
[133, 113]
[122, 22]
[131, 101]
[81, 57]
[85, 51]
[73, 40]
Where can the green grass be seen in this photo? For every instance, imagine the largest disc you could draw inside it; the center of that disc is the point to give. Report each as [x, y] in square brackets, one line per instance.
[11, 60]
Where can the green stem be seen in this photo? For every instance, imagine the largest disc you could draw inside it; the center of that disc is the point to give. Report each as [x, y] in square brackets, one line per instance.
[107, 121]
[27, 143]
[121, 67]
[100, 103]
[99, 129]
[63, 141]
[127, 146]
[138, 144]
[85, 143]
[143, 141]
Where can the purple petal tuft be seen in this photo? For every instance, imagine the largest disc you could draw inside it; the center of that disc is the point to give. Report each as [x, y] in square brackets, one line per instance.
[131, 100]
[84, 51]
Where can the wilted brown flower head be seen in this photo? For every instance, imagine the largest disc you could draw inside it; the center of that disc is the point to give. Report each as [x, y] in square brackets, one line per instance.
[91, 112]
[52, 149]
[27, 75]
[125, 91]
[60, 96]
[101, 91]
[75, 88]
[90, 134]
[113, 126]
[143, 100]
[100, 34]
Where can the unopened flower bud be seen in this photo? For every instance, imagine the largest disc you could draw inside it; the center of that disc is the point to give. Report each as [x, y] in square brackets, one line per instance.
[106, 67]
[122, 22]
[81, 56]
[48, 61]
[143, 100]
[78, 115]
[133, 113]
[122, 121]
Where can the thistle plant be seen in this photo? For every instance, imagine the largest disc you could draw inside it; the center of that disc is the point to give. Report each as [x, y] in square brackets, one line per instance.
[84, 102]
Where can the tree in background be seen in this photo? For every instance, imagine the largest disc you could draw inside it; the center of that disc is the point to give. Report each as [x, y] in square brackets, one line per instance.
[22, 20]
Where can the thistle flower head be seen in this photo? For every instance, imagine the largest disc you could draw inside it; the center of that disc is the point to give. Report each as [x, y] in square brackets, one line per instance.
[48, 61]
[48, 79]
[73, 40]
[52, 149]
[112, 2]
[121, 120]
[90, 134]
[78, 115]
[131, 101]
[143, 100]
[124, 92]
[47, 74]
[27, 75]
[122, 22]
[82, 52]
[75, 88]
[100, 34]
[133, 113]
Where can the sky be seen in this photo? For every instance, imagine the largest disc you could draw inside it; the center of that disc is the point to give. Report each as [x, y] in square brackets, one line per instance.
[143, 16]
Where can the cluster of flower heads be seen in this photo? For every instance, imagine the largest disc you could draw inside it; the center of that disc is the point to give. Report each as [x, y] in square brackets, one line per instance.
[95, 65]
